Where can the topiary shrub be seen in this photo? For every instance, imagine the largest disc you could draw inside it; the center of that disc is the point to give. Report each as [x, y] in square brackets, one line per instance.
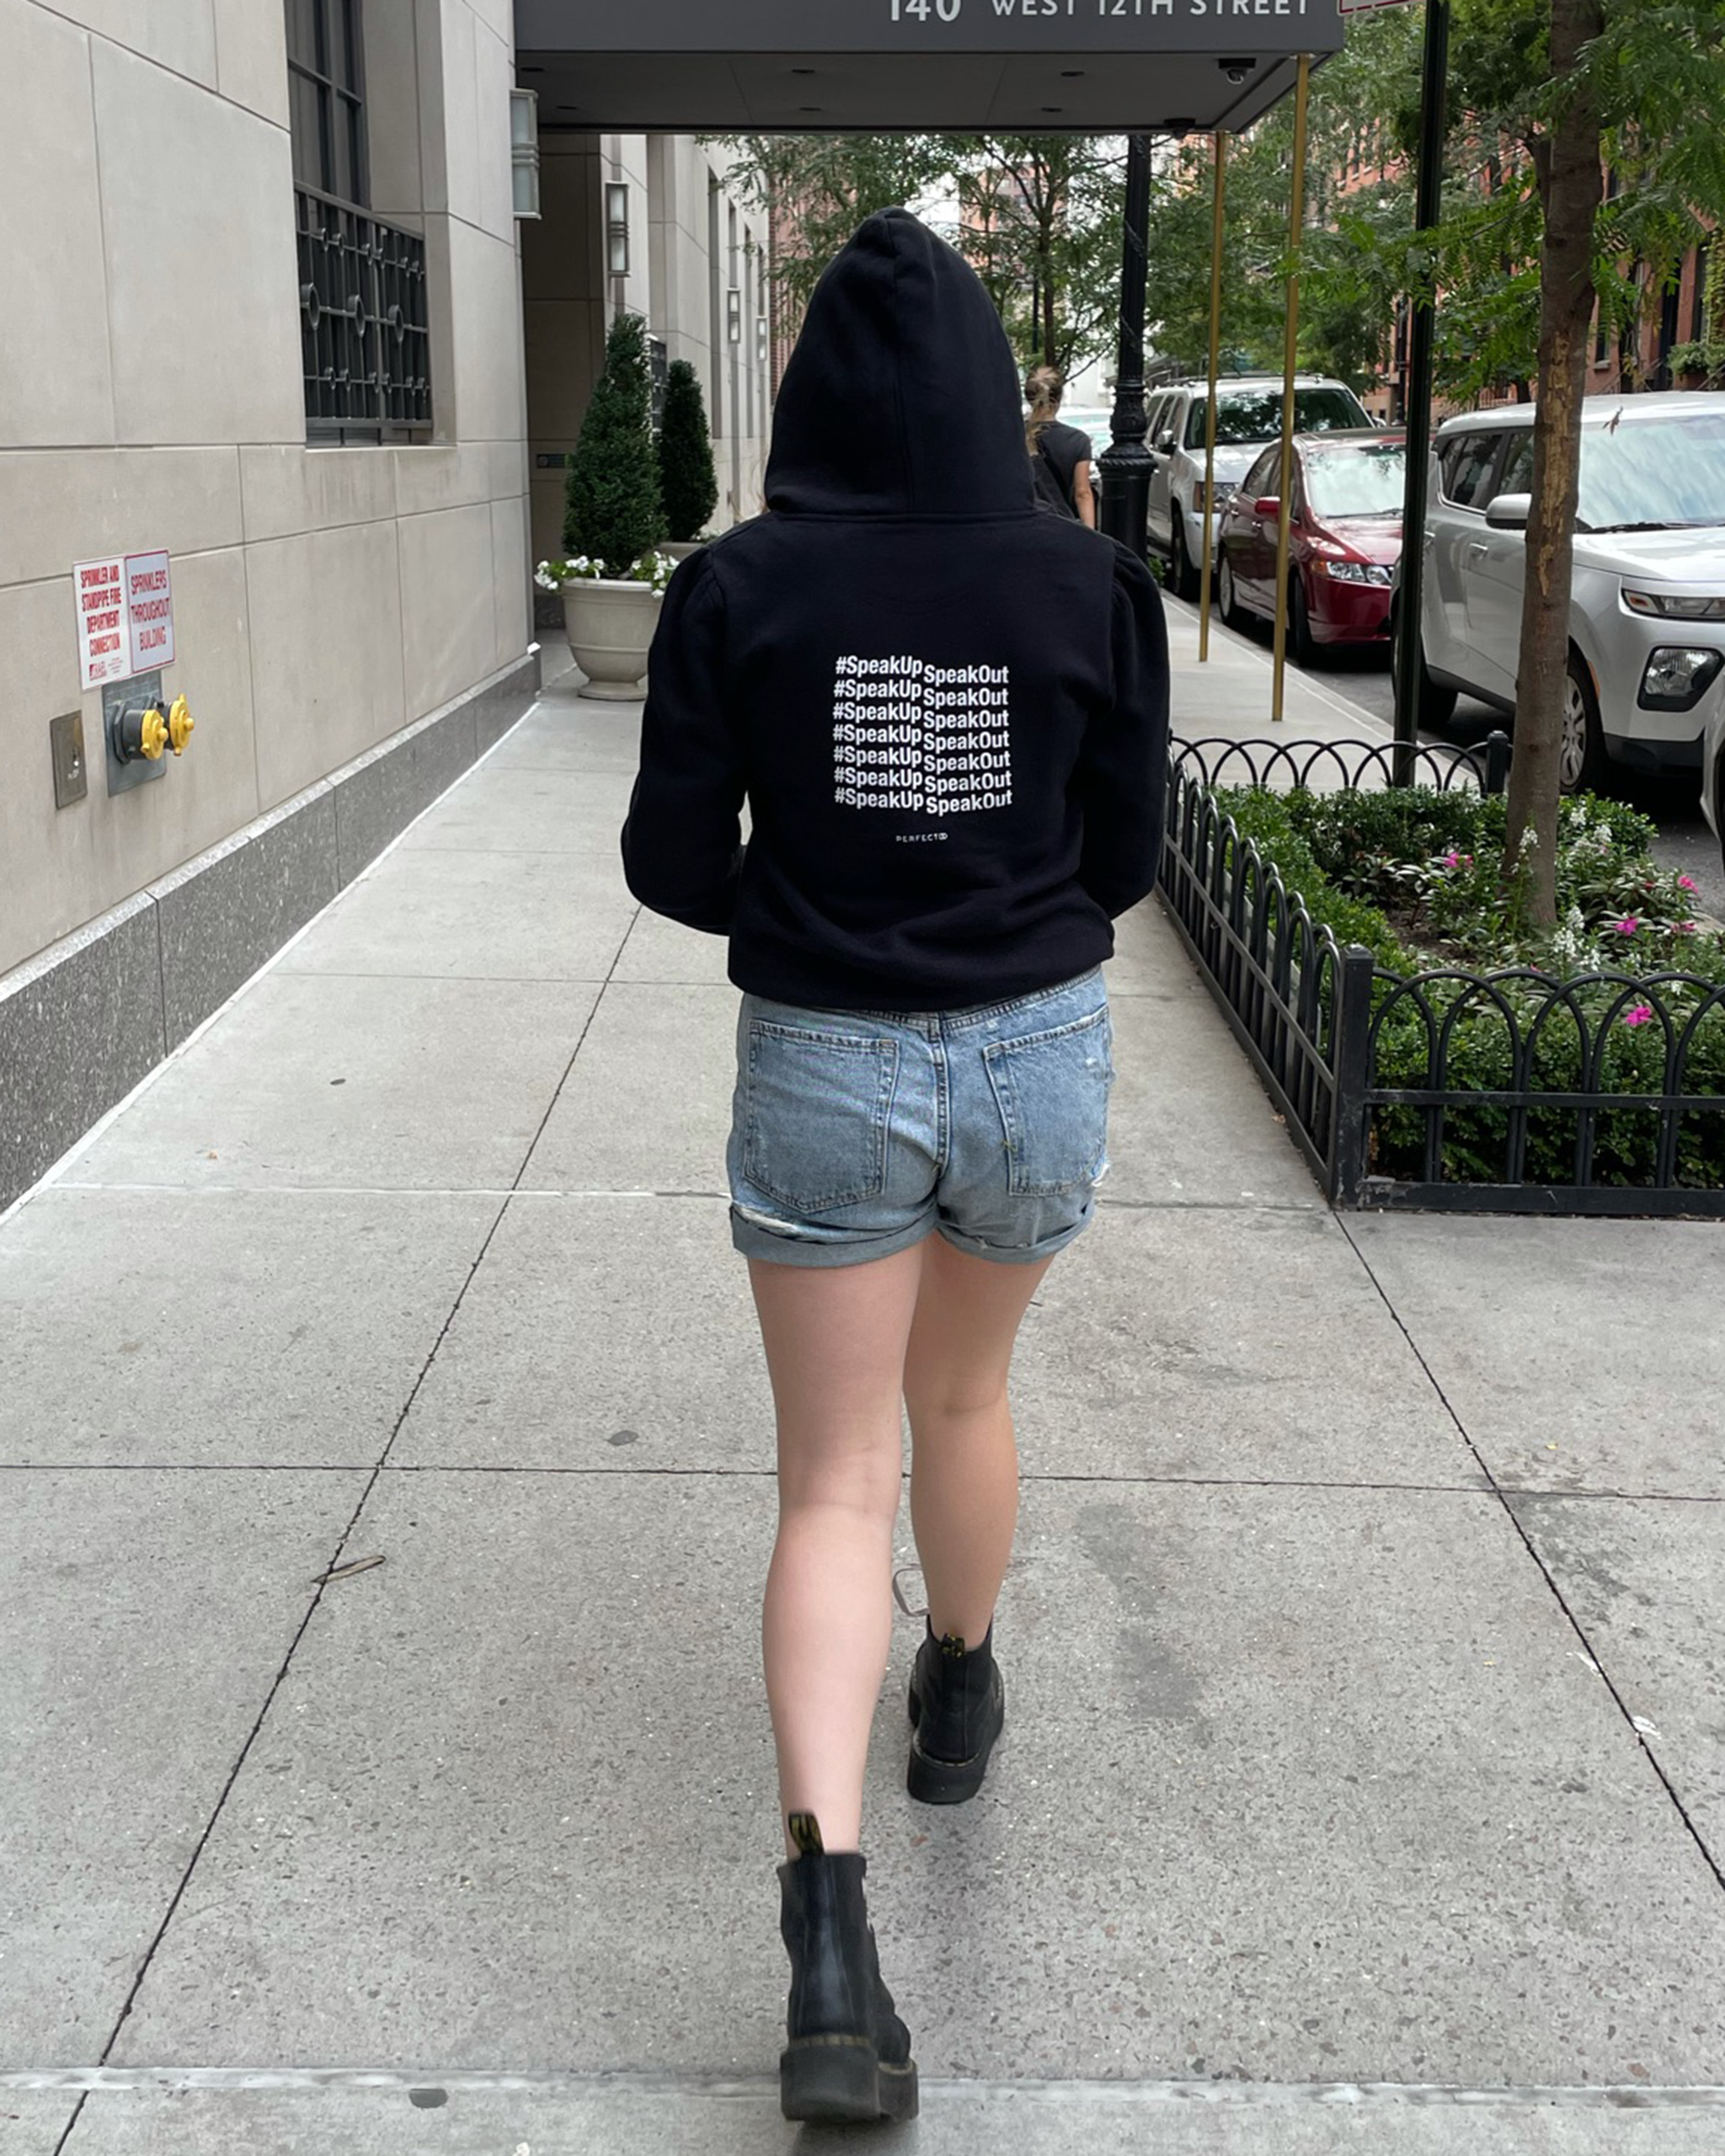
[687, 477]
[613, 510]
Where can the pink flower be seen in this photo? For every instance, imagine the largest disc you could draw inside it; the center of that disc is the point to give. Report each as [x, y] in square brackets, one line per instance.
[1684, 927]
[1639, 1015]
[1687, 883]
[1452, 859]
[1628, 925]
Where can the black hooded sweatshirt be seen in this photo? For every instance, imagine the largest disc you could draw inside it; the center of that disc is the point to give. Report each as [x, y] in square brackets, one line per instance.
[947, 710]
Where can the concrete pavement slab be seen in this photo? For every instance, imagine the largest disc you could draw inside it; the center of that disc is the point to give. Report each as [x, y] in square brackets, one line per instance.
[1295, 1782]
[661, 950]
[647, 1105]
[1225, 1345]
[481, 916]
[1188, 1123]
[1579, 1354]
[1645, 1580]
[466, 2117]
[599, 1332]
[528, 811]
[32, 2123]
[280, 1329]
[146, 1615]
[314, 1083]
[560, 734]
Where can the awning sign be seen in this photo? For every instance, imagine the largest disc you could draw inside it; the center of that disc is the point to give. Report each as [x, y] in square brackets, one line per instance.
[124, 617]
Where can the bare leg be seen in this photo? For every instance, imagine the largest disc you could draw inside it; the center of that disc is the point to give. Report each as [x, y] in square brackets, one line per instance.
[835, 1340]
[964, 1462]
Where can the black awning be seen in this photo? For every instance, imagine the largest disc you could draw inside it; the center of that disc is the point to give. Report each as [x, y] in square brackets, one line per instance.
[1018, 67]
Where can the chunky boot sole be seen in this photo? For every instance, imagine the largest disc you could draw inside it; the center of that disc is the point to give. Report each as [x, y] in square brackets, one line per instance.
[838, 2081]
[942, 1781]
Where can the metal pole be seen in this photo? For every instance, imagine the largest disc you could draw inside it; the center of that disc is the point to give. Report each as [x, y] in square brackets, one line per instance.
[1417, 415]
[1296, 218]
[1126, 463]
[1210, 417]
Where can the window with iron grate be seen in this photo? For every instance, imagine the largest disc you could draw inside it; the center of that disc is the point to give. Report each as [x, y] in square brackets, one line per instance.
[365, 334]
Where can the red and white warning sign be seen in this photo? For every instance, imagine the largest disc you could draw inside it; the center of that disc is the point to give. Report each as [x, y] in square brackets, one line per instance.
[124, 617]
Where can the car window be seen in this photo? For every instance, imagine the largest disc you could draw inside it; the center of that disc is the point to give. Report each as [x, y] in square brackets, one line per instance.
[1664, 471]
[1365, 479]
[1263, 476]
[1517, 476]
[1249, 415]
[1161, 415]
[1466, 466]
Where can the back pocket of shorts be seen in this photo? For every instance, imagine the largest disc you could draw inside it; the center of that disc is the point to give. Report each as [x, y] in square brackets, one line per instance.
[818, 1112]
[1052, 1090]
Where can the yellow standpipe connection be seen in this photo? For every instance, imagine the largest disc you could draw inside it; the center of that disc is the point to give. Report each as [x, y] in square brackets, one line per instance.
[180, 725]
[153, 735]
[1290, 360]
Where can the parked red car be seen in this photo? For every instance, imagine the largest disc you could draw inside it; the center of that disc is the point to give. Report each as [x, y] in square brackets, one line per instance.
[1344, 540]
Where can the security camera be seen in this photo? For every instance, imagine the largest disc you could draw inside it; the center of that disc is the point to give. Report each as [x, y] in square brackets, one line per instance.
[1236, 70]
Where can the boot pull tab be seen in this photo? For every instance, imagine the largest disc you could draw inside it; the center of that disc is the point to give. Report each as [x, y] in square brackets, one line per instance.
[805, 1831]
[953, 1647]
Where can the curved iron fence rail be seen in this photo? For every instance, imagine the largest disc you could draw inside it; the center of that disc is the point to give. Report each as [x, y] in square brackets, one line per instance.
[1601, 1094]
[1220, 761]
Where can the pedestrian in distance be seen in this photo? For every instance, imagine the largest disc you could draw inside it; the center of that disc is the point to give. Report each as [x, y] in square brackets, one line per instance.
[947, 712]
[1060, 455]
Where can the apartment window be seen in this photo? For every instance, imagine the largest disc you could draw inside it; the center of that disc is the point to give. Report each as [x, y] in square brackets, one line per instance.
[327, 99]
[364, 332]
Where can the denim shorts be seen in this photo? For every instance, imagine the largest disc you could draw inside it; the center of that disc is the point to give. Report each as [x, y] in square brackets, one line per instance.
[856, 1134]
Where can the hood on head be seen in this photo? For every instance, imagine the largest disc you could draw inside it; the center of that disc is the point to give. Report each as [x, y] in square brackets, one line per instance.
[901, 397]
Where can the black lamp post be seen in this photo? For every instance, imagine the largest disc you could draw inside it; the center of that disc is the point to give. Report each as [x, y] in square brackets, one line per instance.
[1125, 463]
[1416, 398]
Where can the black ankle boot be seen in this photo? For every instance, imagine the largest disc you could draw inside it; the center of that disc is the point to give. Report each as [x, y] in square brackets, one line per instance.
[848, 2060]
[958, 1710]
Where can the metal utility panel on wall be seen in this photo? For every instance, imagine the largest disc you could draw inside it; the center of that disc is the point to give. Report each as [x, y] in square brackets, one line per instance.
[827, 66]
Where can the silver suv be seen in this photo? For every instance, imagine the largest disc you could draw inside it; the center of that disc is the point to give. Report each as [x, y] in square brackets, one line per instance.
[1248, 415]
[1646, 609]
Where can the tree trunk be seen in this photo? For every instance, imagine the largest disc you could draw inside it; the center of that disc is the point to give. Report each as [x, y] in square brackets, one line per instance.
[1570, 187]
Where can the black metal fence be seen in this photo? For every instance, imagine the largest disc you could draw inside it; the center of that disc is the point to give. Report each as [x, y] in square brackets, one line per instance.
[364, 325]
[1603, 1094]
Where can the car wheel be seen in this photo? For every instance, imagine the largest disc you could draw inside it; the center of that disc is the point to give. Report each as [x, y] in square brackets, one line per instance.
[1435, 704]
[1581, 753]
[1300, 641]
[1181, 579]
[1227, 597]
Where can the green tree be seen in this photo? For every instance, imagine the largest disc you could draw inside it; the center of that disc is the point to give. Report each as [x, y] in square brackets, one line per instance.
[1040, 223]
[1359, 214]
[1036, 215]
[687, 479]
[612, 512]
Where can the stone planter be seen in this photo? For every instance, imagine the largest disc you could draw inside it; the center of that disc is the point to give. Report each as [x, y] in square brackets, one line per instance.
[681, 549]
[610, 627]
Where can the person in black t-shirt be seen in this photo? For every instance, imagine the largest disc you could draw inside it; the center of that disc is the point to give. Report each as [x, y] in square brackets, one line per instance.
[1061, 454]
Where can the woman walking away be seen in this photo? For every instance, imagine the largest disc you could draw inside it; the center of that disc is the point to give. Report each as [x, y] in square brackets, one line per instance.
[1060, 455]
[948, 716]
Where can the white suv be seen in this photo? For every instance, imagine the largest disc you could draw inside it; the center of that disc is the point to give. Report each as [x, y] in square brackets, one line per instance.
[1647, 608]
[1248, 415]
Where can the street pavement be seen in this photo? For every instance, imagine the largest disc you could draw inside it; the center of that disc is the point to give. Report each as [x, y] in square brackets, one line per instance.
[1364, 1785]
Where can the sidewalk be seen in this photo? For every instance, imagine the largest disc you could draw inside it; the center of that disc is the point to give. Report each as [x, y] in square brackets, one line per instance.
[1366, 1786]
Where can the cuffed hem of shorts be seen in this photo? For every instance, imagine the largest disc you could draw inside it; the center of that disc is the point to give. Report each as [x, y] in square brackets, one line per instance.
[1034, 1254]
[792, 1246]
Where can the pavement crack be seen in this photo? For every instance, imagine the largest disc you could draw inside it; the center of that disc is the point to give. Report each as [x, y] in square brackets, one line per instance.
[1506, 1498]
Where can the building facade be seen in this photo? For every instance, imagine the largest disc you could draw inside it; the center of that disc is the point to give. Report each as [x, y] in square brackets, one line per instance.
[644, 223]
[268, 499]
